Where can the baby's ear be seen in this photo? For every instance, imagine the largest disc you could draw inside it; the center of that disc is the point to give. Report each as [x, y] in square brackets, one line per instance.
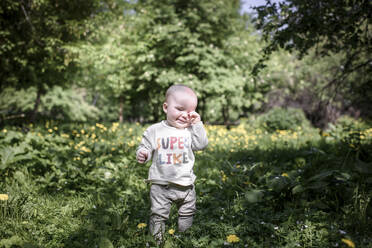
[165, 107]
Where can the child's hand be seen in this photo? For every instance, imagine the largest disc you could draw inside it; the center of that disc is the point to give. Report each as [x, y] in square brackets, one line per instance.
[142, 156]
[194, 117]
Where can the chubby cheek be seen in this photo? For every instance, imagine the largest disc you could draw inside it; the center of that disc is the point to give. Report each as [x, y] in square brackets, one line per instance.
[172, 114]
[176, 114]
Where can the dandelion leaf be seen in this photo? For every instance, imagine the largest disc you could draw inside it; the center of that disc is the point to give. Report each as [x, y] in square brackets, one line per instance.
[105, 243]
[368, 180]
[363, 168]
[321, 175]
[20, 177]
[13, 241]
[298, 189]
[317, 185]
[254, 196]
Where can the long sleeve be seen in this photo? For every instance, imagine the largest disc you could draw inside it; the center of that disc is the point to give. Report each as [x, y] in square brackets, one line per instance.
[146, 144]
[198, 136]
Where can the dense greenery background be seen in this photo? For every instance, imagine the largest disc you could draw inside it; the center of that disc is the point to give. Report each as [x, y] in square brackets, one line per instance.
[112, 60]
[290, 166]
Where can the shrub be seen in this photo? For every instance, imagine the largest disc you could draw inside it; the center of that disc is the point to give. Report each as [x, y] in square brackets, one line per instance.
[283, 119]
[57, 103]
[348, 123]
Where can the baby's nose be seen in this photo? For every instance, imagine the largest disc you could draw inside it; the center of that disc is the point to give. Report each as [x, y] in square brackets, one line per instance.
[185, 115]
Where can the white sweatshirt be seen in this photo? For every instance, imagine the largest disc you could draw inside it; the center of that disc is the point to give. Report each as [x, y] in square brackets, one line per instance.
[171, 150]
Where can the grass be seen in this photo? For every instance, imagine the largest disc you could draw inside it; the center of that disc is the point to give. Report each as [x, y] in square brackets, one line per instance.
[80, 186]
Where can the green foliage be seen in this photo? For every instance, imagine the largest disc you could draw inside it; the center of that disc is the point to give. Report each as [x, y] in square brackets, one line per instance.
[308, 24]
[331, 28]
[284, 119]
[35, 39]
[305, 84]
[202, 54]
[68, 105]
[135, 58]
[273, 182]
[57, 103]
[347, 123]
[14, 103]
[34, 33]
[79, 185]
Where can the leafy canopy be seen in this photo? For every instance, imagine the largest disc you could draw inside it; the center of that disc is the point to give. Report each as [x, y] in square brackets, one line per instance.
[33, 35]
[330, 27]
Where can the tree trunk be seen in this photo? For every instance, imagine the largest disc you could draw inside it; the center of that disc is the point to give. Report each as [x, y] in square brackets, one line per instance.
[36, 105]
[121, 106]
[202, 108]
[225, 115]
[95, 99]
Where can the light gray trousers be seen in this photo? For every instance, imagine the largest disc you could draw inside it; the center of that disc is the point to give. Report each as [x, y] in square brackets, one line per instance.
[162, 197]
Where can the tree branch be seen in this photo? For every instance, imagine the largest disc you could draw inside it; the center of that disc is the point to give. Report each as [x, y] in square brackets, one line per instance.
[28, 19]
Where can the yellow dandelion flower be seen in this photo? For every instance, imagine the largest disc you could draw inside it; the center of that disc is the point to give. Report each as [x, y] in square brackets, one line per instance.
[171, 231]
[85, 149]
[348, 242]
[50, 130]
[4, 197]
[55, 128]
[223, 176]
[141, 225]
[65, 135]
[232, 238]
[285, 175]
[4, 130]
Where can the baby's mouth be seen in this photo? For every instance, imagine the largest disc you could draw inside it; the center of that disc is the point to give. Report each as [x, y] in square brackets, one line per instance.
[183, 121]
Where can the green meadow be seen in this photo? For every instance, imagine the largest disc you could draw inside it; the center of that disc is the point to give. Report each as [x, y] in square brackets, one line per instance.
[79, 185]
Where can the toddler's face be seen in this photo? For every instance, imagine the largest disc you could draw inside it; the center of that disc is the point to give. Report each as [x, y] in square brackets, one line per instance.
[178, 107]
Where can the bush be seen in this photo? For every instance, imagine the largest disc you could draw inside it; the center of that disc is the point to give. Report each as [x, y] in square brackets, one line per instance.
[348, 123]
[57, 103]
[283, 119]
[67, 104]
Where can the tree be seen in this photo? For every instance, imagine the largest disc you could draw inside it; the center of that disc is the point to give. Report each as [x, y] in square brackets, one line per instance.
[197, 43]
[33, 35]
[207, 45]
[341, 27]
[104, 60]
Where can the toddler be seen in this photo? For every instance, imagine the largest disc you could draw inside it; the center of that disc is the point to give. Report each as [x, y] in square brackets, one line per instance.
[170, 144]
